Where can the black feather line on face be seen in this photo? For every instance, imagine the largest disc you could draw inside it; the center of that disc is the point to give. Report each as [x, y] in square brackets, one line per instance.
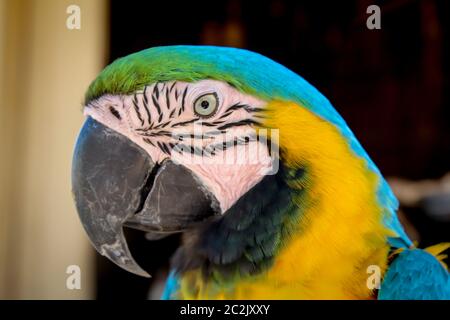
[162, 125]
[172, 86]
[145, 94]
[246, 107]
[252, 109]
[158, 108]
[167, 99]
[156, 90]
[226, 114]
[164, 148]
[184, 98]
[184, 123]
[115, 113]
[244, 122]
[161, 133]
[145, 102]
[149, 141]
[235, 106]
[145, 129]
[136, 108]
[156, 104]
[208, 124]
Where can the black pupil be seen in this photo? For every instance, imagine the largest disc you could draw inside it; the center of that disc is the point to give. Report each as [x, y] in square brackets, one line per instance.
[205, 104]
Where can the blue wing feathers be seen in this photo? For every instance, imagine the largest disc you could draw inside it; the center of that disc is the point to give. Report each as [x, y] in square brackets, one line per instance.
[415, 275]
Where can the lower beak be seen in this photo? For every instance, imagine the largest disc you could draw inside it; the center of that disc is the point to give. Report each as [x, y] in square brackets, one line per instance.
[116, 183]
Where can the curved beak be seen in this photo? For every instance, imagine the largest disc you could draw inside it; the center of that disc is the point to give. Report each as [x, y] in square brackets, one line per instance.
[115, 183]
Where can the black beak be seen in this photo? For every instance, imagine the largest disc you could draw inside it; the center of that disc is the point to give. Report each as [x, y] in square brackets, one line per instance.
[116, 183]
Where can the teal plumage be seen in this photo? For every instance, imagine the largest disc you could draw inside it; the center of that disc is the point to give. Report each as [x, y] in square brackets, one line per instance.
[171, 287]
[415, 275]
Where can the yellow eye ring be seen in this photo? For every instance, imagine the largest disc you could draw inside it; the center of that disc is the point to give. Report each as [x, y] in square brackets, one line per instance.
[206, 105]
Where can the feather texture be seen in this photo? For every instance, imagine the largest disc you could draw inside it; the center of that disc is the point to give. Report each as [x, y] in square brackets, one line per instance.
[416, 274]
[249, 72]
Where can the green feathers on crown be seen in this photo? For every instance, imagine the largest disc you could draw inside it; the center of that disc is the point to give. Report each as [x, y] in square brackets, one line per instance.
[183, 63]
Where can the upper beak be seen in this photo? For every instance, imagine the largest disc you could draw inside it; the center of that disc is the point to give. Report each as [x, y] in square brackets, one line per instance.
[116, 183]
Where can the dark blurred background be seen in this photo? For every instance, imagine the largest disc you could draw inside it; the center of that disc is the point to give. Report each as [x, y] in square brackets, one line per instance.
[391, 85]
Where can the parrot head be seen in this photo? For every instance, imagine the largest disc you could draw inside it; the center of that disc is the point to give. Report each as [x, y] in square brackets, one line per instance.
[180, 137]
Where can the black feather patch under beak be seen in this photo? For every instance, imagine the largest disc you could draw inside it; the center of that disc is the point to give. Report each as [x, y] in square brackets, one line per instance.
[115, 183]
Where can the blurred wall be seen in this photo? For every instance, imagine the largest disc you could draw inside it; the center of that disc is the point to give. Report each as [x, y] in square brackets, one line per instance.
[44, 70]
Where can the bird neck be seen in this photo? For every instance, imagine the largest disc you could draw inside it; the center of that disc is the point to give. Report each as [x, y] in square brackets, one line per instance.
[338, 232]
[310, 231]
[244, 241]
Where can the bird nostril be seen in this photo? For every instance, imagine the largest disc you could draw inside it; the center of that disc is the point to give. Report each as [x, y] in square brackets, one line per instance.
[149, 180]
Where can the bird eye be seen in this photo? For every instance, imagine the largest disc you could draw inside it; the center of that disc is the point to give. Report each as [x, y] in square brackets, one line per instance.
[206, 105]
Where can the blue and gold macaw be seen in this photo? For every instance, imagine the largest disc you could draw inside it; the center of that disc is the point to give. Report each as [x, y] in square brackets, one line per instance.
[299, 212]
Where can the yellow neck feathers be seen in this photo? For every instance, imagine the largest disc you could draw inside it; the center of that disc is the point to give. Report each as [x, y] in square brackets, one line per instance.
[340, 233]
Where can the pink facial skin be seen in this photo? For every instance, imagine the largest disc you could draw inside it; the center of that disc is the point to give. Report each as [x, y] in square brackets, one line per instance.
[156, 117]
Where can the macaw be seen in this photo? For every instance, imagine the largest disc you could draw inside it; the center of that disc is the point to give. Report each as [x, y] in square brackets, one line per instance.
[273, 193]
